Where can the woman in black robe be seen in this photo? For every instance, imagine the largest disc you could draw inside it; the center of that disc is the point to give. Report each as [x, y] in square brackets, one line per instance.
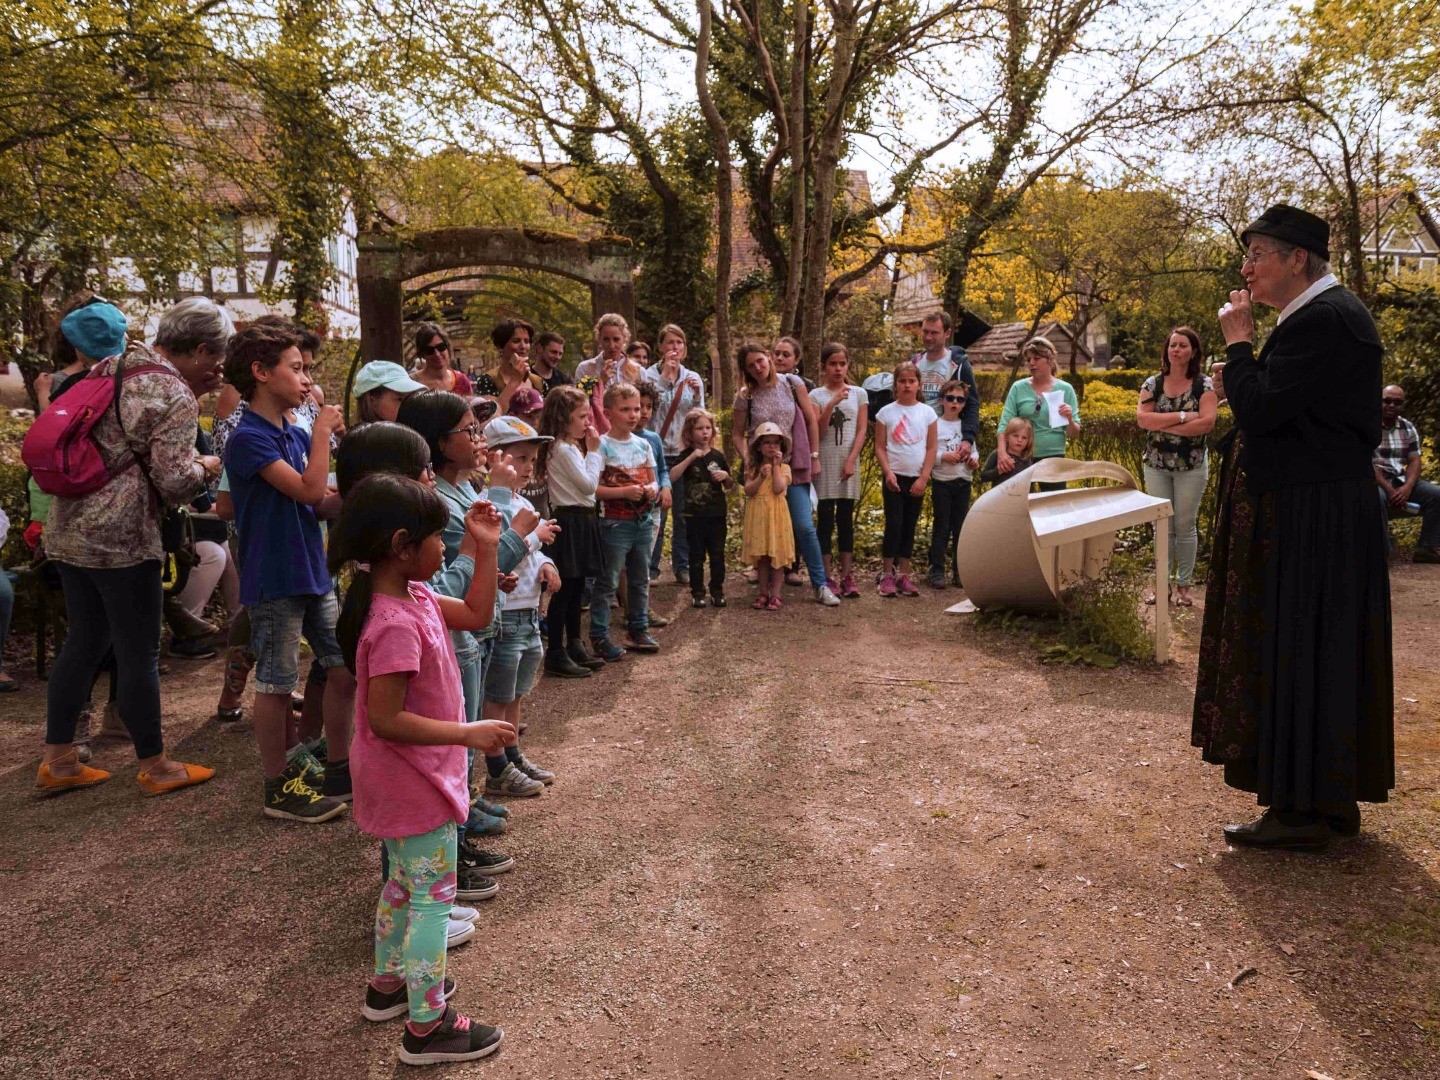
[1294, 694]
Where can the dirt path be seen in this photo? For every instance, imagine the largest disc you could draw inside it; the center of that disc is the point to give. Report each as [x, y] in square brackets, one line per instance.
[911, 852]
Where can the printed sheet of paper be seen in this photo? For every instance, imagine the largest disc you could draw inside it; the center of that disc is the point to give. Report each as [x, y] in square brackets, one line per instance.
[1055, 398]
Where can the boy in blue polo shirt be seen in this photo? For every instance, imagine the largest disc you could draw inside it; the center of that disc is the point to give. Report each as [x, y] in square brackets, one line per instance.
[277, 475]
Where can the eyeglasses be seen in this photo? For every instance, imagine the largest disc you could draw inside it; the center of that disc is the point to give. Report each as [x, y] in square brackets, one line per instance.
[429, 469]
[435, 347]
[473, 430]
[1253, 257]
[954, 397]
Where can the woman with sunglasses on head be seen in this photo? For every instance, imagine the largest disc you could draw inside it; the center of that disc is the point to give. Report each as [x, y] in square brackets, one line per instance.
[435, 362]
[1026, 400]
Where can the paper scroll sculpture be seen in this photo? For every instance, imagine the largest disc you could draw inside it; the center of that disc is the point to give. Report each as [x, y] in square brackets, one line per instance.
[1024, 551]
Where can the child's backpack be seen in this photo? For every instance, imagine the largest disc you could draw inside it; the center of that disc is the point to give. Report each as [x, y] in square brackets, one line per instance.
[60, 449]
[880, 388]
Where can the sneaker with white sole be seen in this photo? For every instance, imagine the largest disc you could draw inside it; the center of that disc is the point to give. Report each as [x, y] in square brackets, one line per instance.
[455, 1038]
[489, 863]
[461, 913]
[388, 1004]
[530, 769]
[471, 884]
[289, 798]
[457, 932]
[512, 782]
[824, 596]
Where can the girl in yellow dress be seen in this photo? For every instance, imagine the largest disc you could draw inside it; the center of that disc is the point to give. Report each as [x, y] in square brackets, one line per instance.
[769, 536]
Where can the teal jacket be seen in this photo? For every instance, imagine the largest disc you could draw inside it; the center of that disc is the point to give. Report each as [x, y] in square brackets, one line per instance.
[453, 579]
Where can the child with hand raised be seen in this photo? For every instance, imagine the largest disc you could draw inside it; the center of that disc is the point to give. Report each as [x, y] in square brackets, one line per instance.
[905, 447]
[703, 475]
[570, 469]
[769, 535]
[407, 760]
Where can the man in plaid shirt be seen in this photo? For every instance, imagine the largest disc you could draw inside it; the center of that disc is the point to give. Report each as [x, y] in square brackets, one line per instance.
[1397, 471]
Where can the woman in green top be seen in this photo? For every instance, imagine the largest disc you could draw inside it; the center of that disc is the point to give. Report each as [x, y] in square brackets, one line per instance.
[1026, 400]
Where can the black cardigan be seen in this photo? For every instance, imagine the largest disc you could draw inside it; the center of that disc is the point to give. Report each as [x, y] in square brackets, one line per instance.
[1309, 406]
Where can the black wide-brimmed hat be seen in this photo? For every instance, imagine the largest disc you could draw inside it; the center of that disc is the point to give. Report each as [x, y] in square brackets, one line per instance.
[1294, 226]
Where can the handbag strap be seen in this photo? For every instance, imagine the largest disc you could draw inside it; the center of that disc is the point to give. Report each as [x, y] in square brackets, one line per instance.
[120, 377]
[674, 404]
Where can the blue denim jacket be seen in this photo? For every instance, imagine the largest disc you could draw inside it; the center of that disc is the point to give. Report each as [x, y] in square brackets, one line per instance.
[453, 579]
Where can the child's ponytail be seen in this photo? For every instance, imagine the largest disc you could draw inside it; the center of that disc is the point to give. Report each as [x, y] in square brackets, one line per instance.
[377, 509]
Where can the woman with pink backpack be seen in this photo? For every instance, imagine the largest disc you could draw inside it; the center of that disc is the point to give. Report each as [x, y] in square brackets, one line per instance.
[117, 451]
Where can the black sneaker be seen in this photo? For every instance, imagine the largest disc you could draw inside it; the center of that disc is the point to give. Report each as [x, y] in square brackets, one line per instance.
[380, 1005]
[489, 863]
[290, 798]
[337, 781]
[455, 1038]
[937, 581]
[471, 884]
[583, 657]
[559, 664]
[191, 649]
[640, 641]
[699, 601]
[716, 600]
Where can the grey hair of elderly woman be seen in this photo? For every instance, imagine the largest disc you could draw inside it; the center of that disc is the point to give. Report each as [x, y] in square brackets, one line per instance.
[193, 322]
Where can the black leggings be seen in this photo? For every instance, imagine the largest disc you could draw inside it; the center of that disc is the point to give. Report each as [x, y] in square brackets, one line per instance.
[950, 501]
[902, 513]
[105, 609]
[837, 513]
[563, 620]
[705, 537]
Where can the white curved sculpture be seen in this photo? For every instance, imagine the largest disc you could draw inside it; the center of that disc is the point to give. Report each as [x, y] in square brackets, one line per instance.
[1024, 551]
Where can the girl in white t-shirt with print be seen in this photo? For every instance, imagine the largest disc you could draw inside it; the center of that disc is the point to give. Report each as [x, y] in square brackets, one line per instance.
[955, 463]
[905, 446]
[843, 423]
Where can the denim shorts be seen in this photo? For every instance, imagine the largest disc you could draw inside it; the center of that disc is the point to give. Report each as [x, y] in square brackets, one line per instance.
[516, 658]
[276, 627]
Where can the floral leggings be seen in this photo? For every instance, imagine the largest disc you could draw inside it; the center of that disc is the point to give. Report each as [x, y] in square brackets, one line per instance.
[413, 915]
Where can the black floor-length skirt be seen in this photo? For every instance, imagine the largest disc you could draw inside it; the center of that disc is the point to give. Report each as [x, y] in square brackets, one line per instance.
[1294, 694]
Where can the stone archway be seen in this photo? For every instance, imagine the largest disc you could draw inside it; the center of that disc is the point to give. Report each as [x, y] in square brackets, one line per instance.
[387, 261]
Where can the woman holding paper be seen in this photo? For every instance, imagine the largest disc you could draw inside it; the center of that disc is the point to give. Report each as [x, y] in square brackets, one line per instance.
[1048, 402]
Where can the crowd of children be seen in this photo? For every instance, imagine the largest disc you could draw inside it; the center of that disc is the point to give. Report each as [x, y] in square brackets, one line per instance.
[468, 534]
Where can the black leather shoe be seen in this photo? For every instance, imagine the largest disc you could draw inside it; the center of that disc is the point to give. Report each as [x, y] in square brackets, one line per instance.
[1346, 823]
[559, 663]
[583, 656]
[1270, 832]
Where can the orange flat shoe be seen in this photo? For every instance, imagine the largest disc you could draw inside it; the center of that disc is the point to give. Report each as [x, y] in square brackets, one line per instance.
[194, 774]
[47, 783]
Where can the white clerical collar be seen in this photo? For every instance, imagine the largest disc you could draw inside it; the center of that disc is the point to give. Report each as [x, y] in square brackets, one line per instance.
[1329, 281]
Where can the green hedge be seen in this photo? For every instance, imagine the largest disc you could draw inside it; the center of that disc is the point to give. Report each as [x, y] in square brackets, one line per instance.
[994, 384]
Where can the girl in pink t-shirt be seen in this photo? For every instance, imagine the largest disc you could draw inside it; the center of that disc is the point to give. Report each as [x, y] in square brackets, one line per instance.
[407, 760]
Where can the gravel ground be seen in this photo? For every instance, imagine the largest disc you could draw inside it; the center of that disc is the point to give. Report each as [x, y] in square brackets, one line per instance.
[909, 850]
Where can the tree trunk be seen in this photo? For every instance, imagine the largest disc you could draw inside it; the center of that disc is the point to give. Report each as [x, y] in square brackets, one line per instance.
[726, 377]
[827, 168]
[799, 227]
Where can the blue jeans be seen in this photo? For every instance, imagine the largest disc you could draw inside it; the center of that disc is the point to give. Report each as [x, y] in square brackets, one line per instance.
[679, 541]
[1184, 488]
[275, 630]
[807, 543]
[7, 608]
[627, 548]
[517, 656]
